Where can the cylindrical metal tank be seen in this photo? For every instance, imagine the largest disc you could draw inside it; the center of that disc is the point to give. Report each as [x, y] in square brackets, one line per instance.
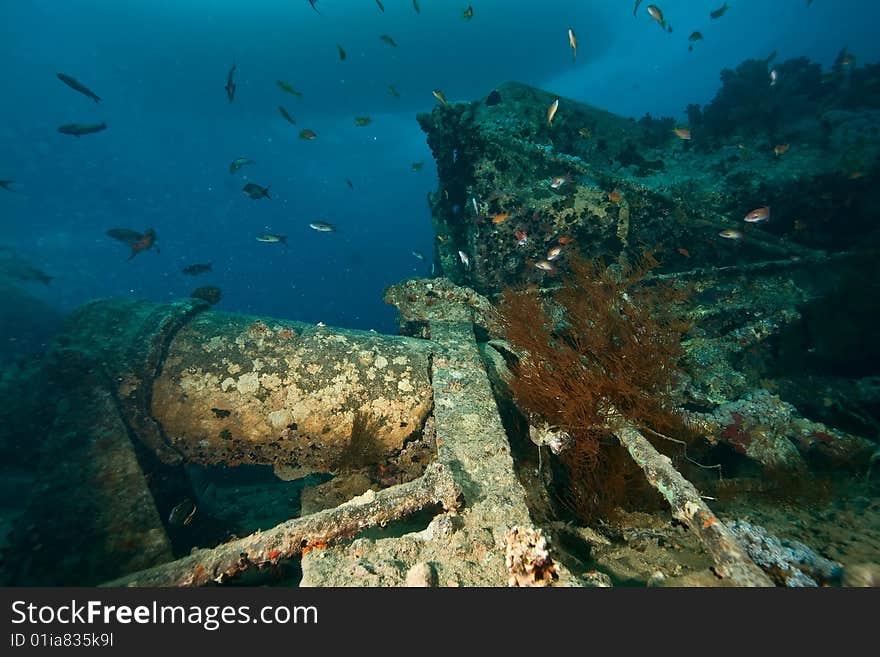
[199, 386]
[301, 397]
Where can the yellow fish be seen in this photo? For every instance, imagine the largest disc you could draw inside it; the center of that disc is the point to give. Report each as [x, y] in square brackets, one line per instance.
[439, 96]
[551, 112]
[573, 42]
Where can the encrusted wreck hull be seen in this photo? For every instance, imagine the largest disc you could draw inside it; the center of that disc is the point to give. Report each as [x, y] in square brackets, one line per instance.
[626, 185]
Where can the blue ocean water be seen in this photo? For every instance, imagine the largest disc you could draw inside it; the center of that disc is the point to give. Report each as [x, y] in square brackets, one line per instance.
[160, 67]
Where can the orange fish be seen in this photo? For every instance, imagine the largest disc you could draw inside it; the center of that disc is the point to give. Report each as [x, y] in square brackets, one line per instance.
[554, 253]
[615, 196]
[551, 112]
[521, 238]
[565, 240]
[684, 252]
[682, 133]
[855, 175]
[758, 216]
[500, 218]
[147, 240]
[655, 12]
[730, 234]
[545, 266]
[781, 149]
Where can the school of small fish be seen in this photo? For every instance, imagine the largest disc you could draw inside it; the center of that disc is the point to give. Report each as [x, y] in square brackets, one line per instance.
[139, 242]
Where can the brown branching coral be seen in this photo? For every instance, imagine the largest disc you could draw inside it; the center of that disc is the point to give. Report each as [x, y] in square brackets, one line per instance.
[604, 349]
[363, 451]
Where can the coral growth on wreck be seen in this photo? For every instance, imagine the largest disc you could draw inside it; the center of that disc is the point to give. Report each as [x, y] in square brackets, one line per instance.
[605, 349]
[751, 103]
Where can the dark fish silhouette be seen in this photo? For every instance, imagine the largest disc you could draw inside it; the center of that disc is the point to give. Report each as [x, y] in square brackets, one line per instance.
[286, 115]
[124, 235]
[238, 163]
[78, 86]
[77, 129]
[313, 3]
[230, 83]
[255, 191]
[286, 87]
[195, 270]
[5, 184]
[718, 13]
[137, 241]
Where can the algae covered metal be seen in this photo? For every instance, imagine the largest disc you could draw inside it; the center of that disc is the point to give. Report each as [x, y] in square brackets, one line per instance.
[236, 389]
[512, 188]
[199, 386]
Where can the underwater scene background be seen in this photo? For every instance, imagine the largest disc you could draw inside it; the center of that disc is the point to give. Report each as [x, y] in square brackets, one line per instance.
[641, 239]
[160, 69]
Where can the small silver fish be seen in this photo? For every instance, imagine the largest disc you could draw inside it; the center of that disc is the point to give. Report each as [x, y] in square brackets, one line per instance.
[271, 238]
[464, 259]
[322, 227]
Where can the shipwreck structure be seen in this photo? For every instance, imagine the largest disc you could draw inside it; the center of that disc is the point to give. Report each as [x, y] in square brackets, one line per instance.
[432, 462]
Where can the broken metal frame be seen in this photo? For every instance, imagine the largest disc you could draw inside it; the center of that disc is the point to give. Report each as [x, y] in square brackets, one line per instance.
[293, 537]
[465, 464]
[730, 558]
